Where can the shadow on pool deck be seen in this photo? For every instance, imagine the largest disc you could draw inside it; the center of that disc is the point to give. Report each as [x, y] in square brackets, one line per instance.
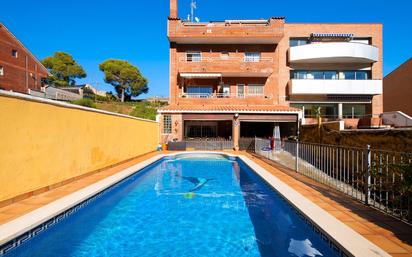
[392, 235]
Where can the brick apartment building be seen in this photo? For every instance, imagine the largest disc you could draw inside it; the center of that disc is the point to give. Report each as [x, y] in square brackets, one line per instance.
[245, 78]
[20, 70]
[397, 89]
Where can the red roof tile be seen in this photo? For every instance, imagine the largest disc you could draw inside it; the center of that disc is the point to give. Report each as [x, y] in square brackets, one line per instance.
[227, 108]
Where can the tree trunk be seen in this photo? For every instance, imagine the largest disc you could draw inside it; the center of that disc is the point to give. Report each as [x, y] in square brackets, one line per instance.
[122, 99]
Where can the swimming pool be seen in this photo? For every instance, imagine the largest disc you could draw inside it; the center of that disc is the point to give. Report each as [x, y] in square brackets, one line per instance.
[184, 205]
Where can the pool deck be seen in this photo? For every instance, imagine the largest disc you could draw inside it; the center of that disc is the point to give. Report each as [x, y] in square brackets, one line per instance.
[391, 235]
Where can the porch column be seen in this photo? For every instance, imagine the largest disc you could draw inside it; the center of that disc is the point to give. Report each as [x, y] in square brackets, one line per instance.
[177, 127]
[340, 111]
[303, 114]
[236, 132]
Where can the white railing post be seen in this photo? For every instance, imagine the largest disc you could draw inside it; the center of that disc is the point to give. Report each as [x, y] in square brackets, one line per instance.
[368, 174]
[297, 147]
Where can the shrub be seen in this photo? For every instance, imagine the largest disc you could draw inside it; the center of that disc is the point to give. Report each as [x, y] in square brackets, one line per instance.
[85, 102]
[144, 110]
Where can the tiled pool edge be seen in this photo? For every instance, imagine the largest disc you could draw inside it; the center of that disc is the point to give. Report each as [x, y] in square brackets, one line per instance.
[352, 242]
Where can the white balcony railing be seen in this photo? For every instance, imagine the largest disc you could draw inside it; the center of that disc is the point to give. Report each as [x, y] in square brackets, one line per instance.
[335, 87]
[336, 52]
[223, 95]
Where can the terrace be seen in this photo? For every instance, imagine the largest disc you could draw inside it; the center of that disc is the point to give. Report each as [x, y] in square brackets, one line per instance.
[233, 31]
[228, 66]
[328, 208]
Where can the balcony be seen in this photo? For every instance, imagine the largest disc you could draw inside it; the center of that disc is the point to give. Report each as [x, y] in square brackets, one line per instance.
[335, 87]
[225, 99]
[226, 32]
[223, 95]
[228, 67]
[336, 52]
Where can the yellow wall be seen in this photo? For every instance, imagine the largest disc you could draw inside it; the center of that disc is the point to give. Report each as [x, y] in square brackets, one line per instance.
[42, 144]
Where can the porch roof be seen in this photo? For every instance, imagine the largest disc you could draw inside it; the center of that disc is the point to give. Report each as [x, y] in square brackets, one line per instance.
[176, 108]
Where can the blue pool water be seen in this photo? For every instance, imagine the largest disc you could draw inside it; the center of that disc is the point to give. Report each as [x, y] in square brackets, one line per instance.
[188, 205]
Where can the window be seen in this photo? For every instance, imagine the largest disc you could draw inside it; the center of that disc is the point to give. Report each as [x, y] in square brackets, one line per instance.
[255, 89]
[331, 75]
[298, 41]
[1, 71]
[193, 56]
[224, 56]
[241, 90]
[252, 57]
[167, 124]
[298, 74]
[326, 110]
[317, 74]
[361, 75]
[199, 91]
[361, 40]
[354, 110]
[349, 75]
[225, 91]
[14, 53]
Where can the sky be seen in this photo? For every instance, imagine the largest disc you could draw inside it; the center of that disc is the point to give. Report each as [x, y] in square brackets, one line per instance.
[135, 30]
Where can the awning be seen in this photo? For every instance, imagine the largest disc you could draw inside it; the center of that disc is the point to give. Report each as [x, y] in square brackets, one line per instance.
[200, 75]
[331, 35]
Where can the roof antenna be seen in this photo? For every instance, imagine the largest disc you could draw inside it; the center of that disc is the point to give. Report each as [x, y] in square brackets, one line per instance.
[192, 9]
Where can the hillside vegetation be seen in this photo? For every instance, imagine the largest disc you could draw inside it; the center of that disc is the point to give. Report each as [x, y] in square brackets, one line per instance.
[140, 109]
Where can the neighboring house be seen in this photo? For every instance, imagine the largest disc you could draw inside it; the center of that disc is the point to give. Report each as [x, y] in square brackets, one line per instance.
[55, 93]
[155, 99]
[20, 70]
[397, 89]
[85, 89]
[246, 78]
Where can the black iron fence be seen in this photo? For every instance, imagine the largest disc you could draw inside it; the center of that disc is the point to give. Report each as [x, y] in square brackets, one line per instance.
[382, 179]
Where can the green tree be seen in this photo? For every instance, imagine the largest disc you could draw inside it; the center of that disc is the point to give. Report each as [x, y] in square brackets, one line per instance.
[64, 69]
[124, 77]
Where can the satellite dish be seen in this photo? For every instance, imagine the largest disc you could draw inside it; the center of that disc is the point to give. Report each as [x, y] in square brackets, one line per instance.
[197, 19]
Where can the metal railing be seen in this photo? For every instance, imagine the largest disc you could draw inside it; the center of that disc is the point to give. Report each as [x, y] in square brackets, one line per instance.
[199, 59]
[223, 95]
[381, 179]
[218, 27]
[213, 144]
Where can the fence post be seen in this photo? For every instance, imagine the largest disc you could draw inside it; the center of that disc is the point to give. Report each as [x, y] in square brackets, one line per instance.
[297, 148]
[367, 174]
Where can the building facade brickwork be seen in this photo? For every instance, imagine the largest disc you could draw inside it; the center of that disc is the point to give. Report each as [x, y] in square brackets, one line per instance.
[249, 63]
[19, 69]
[397, 89]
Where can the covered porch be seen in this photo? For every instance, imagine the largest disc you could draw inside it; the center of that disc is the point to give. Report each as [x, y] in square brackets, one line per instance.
[229, 123]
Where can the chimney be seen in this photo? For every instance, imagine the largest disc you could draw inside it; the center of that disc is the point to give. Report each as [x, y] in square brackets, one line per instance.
[173, 9]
